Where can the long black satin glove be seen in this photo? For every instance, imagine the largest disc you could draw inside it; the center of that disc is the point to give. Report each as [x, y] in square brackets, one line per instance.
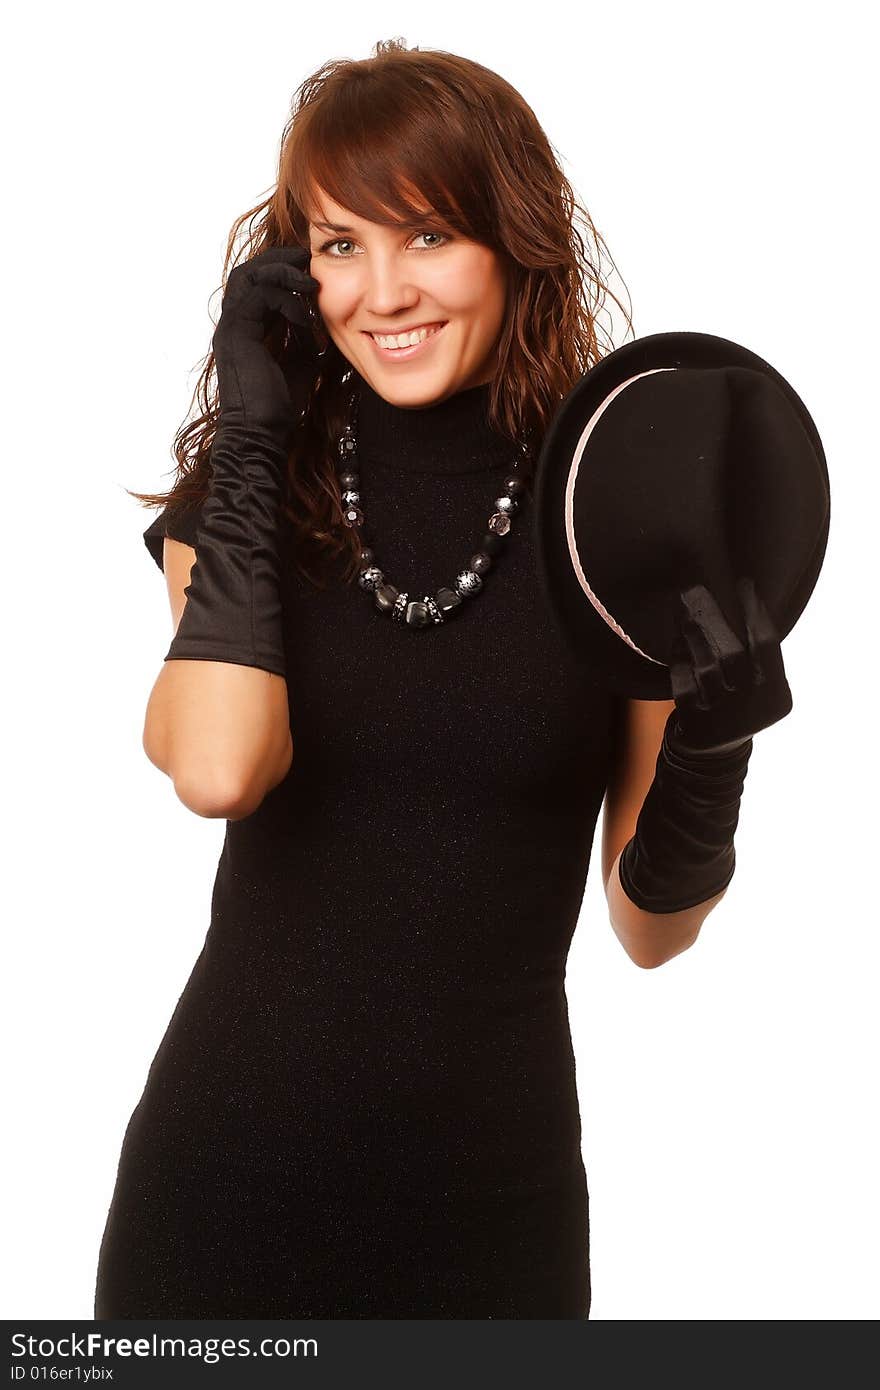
[683, 852]
[233, 607]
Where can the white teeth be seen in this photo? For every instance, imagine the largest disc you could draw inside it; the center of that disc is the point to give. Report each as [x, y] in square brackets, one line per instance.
[399, 340]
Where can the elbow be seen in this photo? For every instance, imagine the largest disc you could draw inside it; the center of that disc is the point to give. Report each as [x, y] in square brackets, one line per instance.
[643, 959]
[651, 939]
[650, 959]
[213, 775]
[205, 793]
[217, 800]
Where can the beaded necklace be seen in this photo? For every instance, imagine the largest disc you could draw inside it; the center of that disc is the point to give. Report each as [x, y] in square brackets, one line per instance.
[439, 607]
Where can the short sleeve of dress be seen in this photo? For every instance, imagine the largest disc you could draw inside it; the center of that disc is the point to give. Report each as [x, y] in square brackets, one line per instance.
[180, 523]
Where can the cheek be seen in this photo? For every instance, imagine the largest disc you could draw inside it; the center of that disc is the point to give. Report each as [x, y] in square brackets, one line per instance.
[471, 288]
[331, 304]
[483, 307]
[339, 299]
[453, 285]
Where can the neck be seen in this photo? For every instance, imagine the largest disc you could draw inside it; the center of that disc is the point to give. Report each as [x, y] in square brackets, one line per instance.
[450, 436]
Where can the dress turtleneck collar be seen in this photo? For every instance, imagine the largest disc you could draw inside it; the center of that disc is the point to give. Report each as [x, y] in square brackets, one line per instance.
[451, 436]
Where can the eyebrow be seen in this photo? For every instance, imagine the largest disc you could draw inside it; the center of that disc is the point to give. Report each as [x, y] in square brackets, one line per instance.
[408, 225]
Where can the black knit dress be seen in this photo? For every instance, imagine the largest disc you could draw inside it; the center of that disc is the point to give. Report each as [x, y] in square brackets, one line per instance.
[364, 1105]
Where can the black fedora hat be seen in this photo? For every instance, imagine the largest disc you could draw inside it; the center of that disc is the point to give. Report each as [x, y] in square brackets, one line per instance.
[679, 460]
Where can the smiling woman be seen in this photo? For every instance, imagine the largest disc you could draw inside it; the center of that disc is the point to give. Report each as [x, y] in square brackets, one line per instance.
[365, 1103]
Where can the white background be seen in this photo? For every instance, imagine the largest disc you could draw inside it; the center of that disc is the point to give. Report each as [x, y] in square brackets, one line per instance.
[726, 154]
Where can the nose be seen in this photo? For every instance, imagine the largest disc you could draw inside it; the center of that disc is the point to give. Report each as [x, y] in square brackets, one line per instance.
[388, 285]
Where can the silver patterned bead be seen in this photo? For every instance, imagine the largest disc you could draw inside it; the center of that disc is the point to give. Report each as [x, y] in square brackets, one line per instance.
[353, 516]
[398, 612]
[434, 612]
[499, 523]
[351, 497]
[370, 578]
[506, 504]
[468, 583]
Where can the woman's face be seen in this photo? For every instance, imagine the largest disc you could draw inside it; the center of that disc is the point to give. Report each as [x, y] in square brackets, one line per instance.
[387, 280]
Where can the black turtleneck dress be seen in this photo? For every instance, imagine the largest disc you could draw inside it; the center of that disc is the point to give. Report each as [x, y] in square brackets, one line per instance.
[364, 1104]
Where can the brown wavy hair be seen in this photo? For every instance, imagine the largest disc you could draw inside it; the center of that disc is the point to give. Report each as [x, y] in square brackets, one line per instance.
[384, 136]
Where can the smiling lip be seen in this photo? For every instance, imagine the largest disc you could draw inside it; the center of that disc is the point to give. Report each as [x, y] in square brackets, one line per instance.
[404, 354]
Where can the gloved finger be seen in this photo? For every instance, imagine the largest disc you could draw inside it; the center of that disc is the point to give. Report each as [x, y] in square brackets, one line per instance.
[256, 294]
[759, 625]
[720, 663]
[294, 252]
[297, 256]
[692, 666]
[765, 649]
[292, 306]
[291, 276]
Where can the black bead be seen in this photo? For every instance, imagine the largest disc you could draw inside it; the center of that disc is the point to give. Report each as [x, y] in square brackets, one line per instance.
[448, 601]
[417, 614]
[348, 481]
[480, 563]
[514, 486]
[491, 543]
[385, 597]
[366, 556]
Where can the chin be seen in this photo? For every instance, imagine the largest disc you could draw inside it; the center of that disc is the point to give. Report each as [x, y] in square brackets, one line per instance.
[415, 393]
[406, 387]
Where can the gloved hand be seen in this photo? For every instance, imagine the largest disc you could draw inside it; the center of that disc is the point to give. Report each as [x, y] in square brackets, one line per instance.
[724, 692]
[254, 391]
[233, 608]
[682, 852]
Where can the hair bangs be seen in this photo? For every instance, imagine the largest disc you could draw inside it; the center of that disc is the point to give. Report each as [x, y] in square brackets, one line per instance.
[395, 173]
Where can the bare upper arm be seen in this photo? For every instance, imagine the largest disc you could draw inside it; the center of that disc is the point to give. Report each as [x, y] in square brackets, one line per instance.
[633, 765]
[177, 561]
